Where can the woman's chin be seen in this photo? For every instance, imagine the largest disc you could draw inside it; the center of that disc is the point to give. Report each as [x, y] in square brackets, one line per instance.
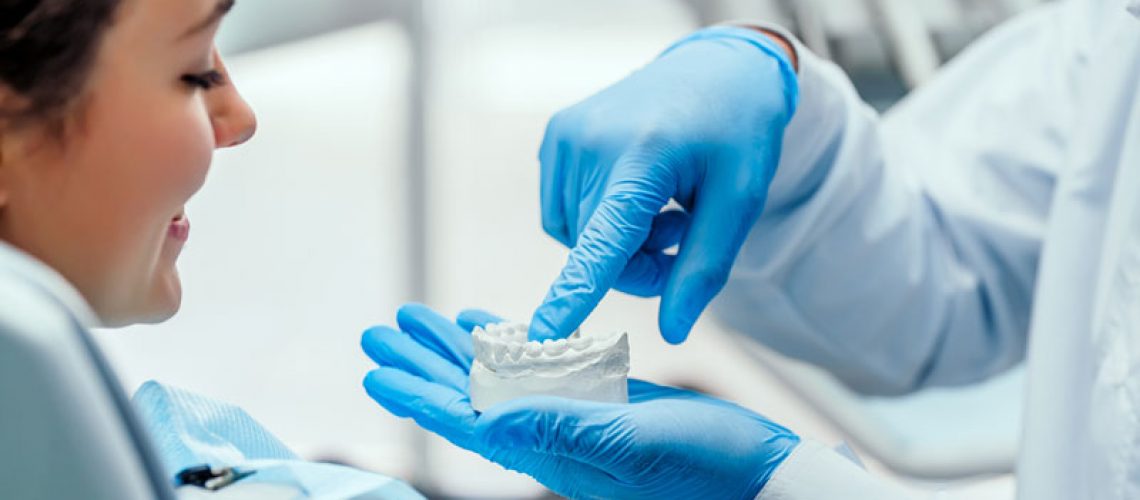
[165, 299]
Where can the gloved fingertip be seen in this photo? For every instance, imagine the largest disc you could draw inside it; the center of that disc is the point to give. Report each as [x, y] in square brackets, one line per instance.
[372, 380]
[677, 336]
[696, 280]
[411, 310]
[366, 338]
[376, 342]
[374, 386]
[539, 331]
[378, 384]
[674, 328]
[469, 319]
[413, 306]
[375, 333]
[368, 344]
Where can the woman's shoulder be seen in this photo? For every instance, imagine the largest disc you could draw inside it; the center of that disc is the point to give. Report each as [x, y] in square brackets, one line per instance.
[32, 294]
[35, 307]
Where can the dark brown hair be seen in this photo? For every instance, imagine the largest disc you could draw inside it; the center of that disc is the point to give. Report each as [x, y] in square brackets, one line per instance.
[46, 52]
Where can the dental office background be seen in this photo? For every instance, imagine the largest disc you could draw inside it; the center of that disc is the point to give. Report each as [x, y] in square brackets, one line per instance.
[396, 161]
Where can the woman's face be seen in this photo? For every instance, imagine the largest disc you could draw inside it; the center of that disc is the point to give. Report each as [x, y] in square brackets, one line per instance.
[104, 205]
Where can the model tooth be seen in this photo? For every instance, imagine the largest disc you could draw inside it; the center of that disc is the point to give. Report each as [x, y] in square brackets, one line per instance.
[517, 351]
[505, 331]
[533, 349]
[556, 347]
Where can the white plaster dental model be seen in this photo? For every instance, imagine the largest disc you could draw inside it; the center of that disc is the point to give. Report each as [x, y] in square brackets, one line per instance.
[507, 366]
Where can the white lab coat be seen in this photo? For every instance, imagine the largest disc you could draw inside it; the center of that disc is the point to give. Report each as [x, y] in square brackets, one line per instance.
[993, 216]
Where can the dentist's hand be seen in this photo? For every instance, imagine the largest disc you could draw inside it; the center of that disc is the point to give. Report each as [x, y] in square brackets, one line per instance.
[702, 125]
[666, 443]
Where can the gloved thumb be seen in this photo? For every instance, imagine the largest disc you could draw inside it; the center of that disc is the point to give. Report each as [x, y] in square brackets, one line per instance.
[469, 319]
[727, 206]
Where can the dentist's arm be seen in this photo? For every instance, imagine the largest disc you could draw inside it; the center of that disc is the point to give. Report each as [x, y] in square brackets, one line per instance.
[897, 253]
[901, 252]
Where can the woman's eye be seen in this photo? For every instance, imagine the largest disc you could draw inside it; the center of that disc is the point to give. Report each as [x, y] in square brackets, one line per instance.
[205, 81]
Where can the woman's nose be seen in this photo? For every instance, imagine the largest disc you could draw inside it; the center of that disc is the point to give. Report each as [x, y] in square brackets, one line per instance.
[234, 123]
[233, 120]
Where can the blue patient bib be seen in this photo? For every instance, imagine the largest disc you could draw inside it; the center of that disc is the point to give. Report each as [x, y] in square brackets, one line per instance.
[189, 430]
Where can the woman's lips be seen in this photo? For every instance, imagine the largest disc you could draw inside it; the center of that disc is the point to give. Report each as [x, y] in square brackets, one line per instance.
[179, 228]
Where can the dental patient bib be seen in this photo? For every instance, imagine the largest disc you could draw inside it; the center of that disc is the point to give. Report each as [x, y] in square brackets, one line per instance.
[191, 431]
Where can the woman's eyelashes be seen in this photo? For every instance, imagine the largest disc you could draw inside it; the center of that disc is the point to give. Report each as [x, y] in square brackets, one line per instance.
[206, 80]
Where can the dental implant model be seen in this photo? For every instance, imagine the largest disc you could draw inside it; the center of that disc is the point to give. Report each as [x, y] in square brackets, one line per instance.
[507, 366]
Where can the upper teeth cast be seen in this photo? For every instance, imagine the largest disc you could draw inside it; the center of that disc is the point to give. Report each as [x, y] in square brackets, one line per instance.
[508, 366]
[504, 346]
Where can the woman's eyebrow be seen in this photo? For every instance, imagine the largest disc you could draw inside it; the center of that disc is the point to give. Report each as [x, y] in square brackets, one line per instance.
[220, 10]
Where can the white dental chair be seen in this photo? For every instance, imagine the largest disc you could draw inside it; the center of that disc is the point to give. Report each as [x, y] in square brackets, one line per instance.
[66, 430]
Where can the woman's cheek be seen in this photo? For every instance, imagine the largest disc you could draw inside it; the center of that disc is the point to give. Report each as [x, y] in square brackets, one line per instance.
[196, 141]
[187, 154]
[186, 158]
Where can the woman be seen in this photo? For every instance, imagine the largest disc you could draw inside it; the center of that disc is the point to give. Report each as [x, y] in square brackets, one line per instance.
[110, 111]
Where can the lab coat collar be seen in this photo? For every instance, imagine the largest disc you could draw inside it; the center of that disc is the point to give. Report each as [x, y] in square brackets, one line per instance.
[25, 266]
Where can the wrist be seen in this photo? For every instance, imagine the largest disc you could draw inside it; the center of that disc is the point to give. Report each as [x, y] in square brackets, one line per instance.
[782, 42]
[770, 42]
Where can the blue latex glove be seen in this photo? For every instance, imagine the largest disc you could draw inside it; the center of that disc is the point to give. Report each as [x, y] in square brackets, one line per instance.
[702, 125]
[667, 443]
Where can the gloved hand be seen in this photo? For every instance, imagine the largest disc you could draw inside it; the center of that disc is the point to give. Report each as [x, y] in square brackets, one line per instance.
[666, 443]
[701, 125]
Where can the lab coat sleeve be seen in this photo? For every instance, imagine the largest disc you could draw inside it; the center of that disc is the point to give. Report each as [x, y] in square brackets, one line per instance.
[814, 471]
[901, 252]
